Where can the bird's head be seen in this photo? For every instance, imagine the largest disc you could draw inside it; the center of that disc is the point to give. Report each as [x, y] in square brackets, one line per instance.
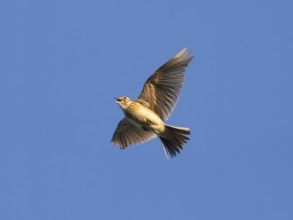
[123, 102]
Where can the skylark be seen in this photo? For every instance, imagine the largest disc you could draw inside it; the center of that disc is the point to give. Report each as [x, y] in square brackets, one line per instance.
[144, 117]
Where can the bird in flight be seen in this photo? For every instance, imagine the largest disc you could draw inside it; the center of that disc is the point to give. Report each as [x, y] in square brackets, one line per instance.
[144, 117]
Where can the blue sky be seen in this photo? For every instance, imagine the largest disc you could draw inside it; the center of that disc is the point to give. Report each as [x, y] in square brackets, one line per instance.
[62, 62]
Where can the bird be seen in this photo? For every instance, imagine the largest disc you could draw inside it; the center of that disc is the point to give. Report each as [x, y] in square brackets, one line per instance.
[145, 116]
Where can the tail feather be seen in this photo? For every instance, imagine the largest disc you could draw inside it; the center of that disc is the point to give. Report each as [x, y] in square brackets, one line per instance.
[174, 140]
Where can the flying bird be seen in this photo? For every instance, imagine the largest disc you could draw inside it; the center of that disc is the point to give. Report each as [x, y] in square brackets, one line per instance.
[144, 117]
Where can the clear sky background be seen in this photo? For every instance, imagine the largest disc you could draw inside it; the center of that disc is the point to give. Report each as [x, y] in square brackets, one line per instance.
[63, 61]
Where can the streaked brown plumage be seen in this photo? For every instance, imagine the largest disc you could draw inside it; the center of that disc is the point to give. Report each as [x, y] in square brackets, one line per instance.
[144, 117]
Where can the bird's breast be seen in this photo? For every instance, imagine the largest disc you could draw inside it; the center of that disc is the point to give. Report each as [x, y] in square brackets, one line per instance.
[143, 117]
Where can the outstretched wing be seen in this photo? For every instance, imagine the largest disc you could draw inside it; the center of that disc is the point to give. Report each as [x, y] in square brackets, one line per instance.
[161, 90]
[126, 133]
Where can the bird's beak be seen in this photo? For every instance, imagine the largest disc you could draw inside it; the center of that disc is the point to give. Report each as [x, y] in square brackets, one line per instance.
[118, 99]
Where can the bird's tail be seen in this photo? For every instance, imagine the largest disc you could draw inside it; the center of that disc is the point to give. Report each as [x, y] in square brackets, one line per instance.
[174, 139]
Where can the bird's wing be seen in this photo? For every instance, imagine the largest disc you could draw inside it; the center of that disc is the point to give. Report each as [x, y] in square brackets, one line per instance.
[126, 133]
[161, 90]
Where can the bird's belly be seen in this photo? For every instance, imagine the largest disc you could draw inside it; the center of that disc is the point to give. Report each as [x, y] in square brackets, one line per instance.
[147, 119]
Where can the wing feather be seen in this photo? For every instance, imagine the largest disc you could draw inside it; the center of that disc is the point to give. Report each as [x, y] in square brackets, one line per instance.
[126, 134]
[161, 90]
